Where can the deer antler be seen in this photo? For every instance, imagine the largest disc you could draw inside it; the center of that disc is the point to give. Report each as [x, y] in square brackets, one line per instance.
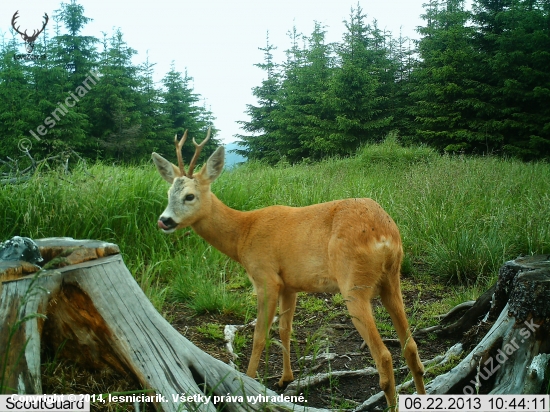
[198, 149]
[179, 145]
[15, 16]
[24, 35]
[34, 36]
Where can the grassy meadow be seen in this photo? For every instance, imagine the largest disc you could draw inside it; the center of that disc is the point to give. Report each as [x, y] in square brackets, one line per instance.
[460, 217]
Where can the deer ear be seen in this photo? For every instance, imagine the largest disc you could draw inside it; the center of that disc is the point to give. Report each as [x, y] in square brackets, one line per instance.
[214, 165]
[167, 170]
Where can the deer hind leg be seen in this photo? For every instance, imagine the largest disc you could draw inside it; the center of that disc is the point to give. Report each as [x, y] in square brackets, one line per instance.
[287, 305]
[267, 305]
[358, 300]
[392, 300]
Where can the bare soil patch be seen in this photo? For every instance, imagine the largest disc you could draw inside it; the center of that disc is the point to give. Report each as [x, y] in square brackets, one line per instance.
[314, 334]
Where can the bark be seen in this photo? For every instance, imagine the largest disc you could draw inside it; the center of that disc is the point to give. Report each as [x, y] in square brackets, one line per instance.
[98, 311]
[507, 278]
[536, 374]
[508, 355]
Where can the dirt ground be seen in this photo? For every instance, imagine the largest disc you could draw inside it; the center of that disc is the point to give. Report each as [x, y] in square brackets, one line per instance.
[315, 332]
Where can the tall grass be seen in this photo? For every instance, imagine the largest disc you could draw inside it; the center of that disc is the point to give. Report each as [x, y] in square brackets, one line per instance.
[460, 217]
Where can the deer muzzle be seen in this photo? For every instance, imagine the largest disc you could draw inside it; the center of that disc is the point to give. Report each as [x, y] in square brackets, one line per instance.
[167, 224]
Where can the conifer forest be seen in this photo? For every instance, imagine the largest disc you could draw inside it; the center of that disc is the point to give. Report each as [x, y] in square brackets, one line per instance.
[477, 81]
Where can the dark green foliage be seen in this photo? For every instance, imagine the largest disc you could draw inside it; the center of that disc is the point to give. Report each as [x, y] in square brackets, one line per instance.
[87, 95]
[514, 37]
[361, 86]
[326, 99]
[444, 90]
[477, 82]
[113, 101]
[483, 83]
[17, 111]
[262, 144]
[306, 116]
[181, 111]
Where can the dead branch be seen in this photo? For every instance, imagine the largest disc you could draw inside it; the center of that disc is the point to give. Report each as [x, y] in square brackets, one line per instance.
[310, 381]
[473, 315]
[298, 385]
[461, 307]
[229, 333]
[443, 383]
[375, 399]
[14, 172]
[439, 360]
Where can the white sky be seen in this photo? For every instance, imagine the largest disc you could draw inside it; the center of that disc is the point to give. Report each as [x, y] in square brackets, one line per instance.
[216, 41]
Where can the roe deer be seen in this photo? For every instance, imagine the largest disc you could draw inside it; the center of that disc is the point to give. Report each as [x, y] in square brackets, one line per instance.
[351, 246]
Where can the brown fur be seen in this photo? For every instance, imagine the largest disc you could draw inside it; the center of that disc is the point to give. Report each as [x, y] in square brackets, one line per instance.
[350, 246]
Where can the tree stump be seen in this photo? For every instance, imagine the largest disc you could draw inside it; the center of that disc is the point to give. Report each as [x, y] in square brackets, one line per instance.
[511, 358]
[86, 298]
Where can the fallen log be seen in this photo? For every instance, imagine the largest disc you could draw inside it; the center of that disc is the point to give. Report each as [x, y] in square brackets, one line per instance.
[501, 361]
[95, 311]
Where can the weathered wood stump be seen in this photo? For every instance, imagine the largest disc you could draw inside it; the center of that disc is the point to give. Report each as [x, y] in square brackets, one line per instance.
[512, 357]
[86, 299]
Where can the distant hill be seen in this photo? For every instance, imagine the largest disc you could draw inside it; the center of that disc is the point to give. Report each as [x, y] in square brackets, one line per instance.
[231, 159]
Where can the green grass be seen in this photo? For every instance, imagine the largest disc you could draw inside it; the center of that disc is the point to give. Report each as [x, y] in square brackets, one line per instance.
[460, 217]
[211, 331]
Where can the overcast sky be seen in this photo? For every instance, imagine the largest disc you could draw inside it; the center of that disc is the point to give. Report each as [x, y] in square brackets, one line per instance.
[216, 41]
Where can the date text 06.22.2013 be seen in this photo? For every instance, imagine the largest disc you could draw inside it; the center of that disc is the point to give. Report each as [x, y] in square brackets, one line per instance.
[474, 403]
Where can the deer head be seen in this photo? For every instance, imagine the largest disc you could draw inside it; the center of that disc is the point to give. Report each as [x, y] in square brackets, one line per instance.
[189, 195]
[29, 39]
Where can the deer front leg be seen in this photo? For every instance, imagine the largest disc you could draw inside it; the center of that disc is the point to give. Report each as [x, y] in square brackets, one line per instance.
[267, 304]
[287, 305]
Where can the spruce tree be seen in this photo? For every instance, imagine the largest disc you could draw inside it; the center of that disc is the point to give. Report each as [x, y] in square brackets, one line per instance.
[403, 55]
[113, 103]
[359, 88]
[263, 124]
[182, 111]
[69, 61]
[306, 118]
[77, 53]
[514, 36]
[18, 110]
[444, 86]
[154, 124]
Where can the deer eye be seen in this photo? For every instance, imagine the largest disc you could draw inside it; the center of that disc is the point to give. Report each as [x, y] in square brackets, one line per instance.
[189, 197]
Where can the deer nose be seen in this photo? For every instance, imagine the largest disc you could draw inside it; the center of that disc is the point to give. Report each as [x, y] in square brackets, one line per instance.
[166, 223]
